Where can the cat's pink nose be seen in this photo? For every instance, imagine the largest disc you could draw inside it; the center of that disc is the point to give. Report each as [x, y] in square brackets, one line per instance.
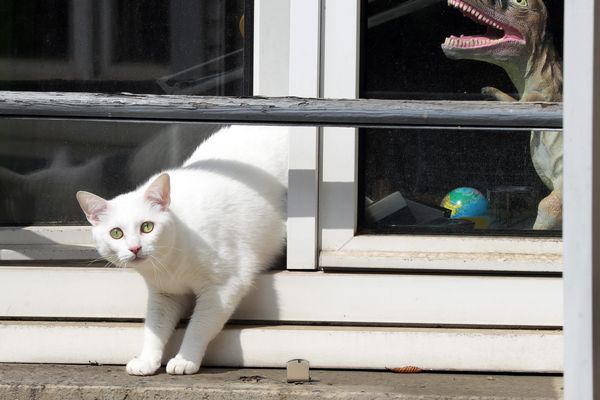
[135, 249]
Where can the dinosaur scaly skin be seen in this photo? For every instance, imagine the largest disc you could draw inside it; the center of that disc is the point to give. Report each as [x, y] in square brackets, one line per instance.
[517, 40]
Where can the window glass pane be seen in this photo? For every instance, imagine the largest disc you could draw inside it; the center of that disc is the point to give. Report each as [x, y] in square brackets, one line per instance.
[435, 50]
[138, 46]
[450, 181]
[24, 36]
[403, 57]
[43, 163]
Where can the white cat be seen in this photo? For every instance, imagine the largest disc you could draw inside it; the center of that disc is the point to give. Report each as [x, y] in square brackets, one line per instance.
[205, 230]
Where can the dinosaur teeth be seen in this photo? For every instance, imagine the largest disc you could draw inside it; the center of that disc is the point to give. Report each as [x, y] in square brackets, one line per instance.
[497, 32]
[467, 42]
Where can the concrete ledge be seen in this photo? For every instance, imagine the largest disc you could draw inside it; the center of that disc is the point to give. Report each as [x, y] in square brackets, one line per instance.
[67, 382]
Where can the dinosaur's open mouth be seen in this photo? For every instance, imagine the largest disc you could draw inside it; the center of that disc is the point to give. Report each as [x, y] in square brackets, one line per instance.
[497, 31]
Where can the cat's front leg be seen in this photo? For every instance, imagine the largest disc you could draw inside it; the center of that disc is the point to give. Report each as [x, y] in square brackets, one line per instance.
[213, 308]
[163, 313]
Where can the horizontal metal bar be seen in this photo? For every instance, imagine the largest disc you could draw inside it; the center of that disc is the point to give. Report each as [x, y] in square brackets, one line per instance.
[284, 111]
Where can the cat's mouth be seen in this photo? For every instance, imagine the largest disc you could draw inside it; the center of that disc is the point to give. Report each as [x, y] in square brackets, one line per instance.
[132, 260]
[138, 259]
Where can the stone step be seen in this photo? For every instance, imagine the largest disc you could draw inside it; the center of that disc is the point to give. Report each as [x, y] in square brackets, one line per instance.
[71, 382]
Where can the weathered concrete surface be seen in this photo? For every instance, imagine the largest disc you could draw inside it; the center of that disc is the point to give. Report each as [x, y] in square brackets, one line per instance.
[65, 382]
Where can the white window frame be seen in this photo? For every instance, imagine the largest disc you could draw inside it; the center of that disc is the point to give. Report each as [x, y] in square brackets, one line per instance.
[582, 200]
[292, 68]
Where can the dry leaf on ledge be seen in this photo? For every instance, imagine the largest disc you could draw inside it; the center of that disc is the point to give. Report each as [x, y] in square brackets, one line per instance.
[409, 369]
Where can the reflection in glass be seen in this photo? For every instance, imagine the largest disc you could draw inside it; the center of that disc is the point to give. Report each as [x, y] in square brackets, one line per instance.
[43, 163]
[138, 46]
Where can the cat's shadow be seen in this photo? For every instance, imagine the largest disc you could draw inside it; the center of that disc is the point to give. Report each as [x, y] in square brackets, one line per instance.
[259, 309]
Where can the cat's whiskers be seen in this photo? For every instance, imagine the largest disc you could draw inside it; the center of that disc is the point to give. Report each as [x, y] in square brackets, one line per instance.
[159, 264]
[155, 269]
[95, 260]
[110, 261]
[159, 268]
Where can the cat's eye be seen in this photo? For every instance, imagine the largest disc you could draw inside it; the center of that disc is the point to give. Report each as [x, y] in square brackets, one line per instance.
[147, 227]
[116, 233]
[522, 3]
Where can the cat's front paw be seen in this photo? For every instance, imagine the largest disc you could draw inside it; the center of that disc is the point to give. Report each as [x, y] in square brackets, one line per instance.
[143, 367]
[180, 366]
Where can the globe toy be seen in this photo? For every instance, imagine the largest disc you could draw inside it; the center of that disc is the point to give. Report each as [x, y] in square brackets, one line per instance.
[465, 203]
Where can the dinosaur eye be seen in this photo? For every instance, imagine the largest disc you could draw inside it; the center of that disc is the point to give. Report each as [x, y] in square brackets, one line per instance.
[116, 233]
[522, 3]
[147, 227]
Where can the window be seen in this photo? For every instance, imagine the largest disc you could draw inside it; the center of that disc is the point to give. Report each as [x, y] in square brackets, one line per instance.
[109, 46]
[446, 179]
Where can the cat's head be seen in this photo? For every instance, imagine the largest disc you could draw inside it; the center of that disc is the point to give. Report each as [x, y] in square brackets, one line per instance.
[131, 229]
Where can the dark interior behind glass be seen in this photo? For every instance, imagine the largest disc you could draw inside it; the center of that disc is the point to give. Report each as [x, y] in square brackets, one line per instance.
[405, 174]
[137, 46]
[401, 55]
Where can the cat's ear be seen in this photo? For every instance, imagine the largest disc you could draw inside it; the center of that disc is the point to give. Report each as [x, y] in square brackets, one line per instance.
[93, 206]
[159, 192]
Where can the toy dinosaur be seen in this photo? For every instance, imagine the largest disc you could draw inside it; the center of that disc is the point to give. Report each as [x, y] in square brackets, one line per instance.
[517, 39]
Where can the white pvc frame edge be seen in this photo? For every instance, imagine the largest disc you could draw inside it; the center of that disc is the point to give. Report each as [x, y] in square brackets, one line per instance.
[99, 293]
[304, 62]
[325, 347]
[286, 63]
[446, 253]
[582, 199]
[339, 146]
[271, 47]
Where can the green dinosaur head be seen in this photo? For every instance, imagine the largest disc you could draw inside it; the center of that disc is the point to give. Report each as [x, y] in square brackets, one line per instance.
[515, 29]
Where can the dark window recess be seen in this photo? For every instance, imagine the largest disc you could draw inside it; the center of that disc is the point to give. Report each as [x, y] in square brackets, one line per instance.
[138, 46]
[141, 31]
[34, 29]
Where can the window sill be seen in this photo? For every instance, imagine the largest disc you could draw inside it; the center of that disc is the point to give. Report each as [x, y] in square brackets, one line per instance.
[527, 255]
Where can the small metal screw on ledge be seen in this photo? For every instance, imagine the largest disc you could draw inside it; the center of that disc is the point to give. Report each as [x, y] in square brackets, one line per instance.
[298, 371]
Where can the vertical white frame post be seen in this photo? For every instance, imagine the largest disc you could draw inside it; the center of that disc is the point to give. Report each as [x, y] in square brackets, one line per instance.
[287, 37]
[339, 146]
[305, 36]
[581, 229]
[271, 47]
